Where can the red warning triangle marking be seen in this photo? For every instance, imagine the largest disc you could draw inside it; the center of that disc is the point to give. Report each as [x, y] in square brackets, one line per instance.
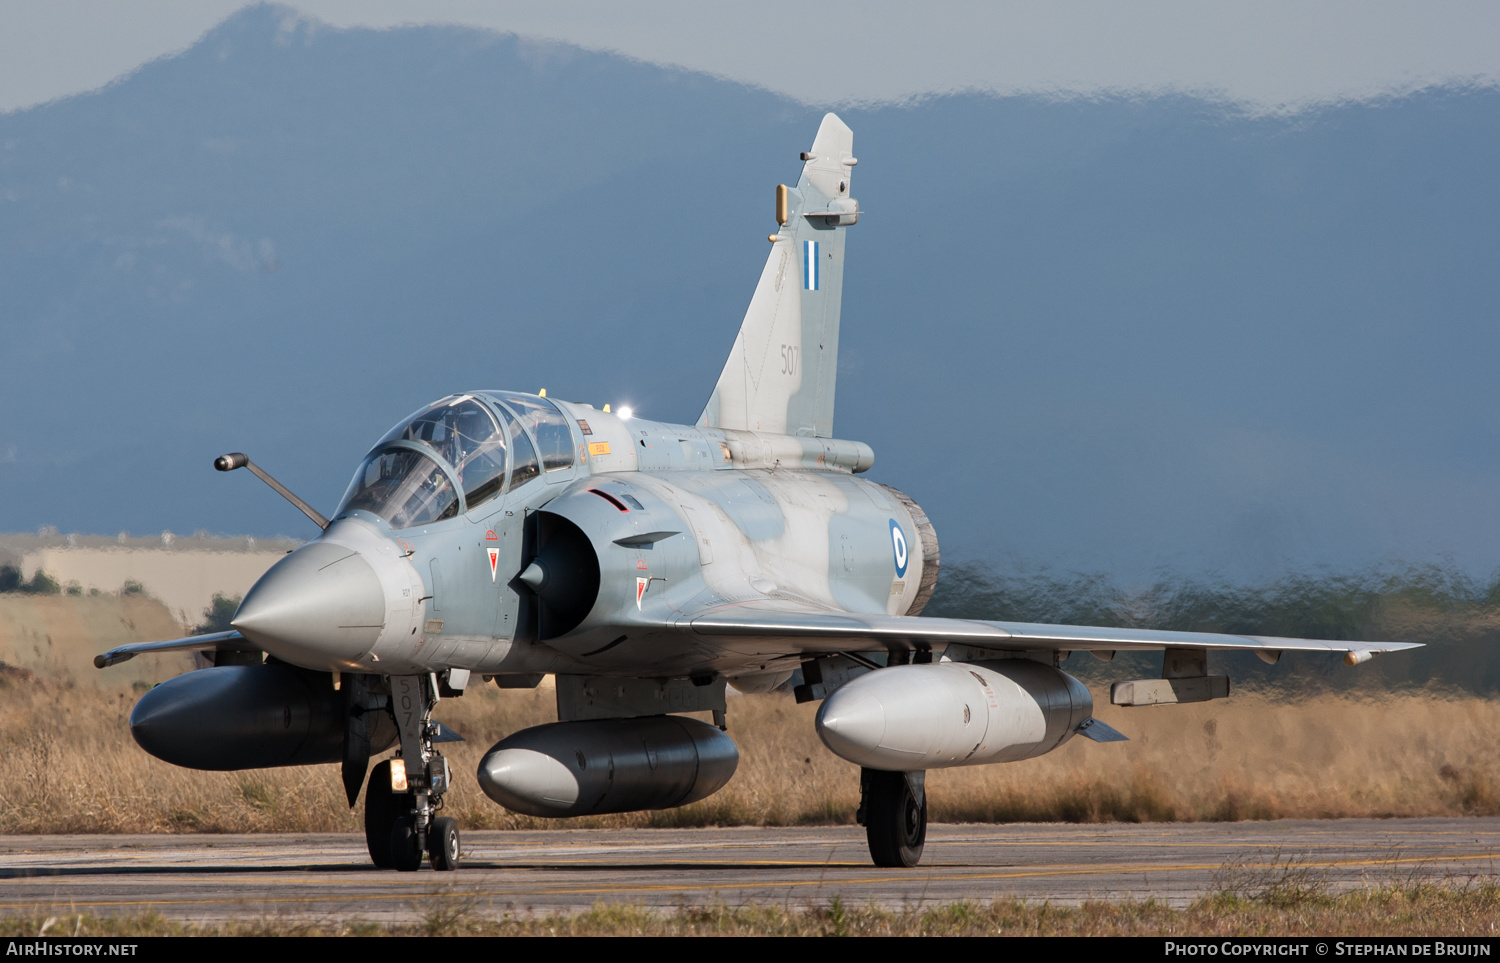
[494, 560]
[640, 589]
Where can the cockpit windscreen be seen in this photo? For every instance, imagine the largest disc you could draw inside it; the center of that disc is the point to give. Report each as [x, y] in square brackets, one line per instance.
[402, 486]
[464, 433]
[407, 487]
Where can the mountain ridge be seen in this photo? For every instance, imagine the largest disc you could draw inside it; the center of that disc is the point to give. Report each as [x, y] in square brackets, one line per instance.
[1110, 334]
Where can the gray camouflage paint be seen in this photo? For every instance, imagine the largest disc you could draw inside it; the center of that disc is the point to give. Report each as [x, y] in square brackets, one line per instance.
[762, 501]
[765, 547]
[753, 517]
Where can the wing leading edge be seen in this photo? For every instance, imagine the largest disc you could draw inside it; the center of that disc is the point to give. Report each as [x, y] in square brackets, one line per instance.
[824, 631]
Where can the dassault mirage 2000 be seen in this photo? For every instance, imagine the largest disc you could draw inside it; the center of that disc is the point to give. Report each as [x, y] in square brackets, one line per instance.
[505, 536]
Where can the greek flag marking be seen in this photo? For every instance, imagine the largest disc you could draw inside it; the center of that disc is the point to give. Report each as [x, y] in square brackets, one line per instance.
[810, 265]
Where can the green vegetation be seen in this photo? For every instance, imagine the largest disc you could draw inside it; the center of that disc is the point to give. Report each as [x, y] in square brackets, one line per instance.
[217, 616]
[40, 584]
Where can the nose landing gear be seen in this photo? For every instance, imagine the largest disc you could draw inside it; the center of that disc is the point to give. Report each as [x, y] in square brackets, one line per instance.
[405, 793]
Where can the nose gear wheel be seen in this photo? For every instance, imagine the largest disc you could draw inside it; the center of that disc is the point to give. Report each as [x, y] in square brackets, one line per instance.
[442, 844]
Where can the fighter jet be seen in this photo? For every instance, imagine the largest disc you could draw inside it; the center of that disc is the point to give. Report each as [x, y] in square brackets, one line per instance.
[499, 537]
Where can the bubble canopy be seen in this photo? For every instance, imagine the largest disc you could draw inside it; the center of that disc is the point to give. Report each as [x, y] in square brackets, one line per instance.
[447, 458]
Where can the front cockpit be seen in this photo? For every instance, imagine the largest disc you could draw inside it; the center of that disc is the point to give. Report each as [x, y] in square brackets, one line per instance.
[457, 454]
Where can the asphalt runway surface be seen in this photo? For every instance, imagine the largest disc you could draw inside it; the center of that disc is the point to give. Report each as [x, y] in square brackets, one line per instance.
[209, 878]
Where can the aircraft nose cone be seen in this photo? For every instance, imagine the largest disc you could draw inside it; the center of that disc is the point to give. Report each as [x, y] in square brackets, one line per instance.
[322, 603]
[851, 723]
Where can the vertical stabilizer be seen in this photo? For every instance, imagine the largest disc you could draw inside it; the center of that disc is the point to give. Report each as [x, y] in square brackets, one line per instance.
[780, 374]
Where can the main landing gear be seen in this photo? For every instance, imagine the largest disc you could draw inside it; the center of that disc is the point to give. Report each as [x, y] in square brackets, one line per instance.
[893, 810]
[405, 793]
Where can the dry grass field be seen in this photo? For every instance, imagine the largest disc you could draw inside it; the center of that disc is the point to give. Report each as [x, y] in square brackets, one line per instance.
[1464, 913]
[73, 768]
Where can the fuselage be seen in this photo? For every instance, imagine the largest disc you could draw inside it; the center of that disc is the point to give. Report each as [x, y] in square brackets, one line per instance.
[509, 534]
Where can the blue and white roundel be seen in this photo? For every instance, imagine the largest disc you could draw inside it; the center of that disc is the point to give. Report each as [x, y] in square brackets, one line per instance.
[898, 546]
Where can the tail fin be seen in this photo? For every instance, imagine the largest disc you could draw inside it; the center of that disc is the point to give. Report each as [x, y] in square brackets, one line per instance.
[780, 375]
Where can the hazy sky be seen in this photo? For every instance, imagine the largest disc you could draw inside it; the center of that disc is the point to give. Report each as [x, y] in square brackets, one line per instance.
[1267, 56]
[1204, 339]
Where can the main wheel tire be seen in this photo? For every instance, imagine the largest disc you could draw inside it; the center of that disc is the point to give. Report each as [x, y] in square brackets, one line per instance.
[382, 808]
[406, 845]
[442, 844]
[895, 823]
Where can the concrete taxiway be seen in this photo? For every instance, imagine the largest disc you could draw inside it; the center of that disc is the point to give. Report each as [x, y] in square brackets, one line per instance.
[206, 878]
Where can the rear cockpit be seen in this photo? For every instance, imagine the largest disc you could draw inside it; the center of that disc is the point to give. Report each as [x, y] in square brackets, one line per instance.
[455, 455]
